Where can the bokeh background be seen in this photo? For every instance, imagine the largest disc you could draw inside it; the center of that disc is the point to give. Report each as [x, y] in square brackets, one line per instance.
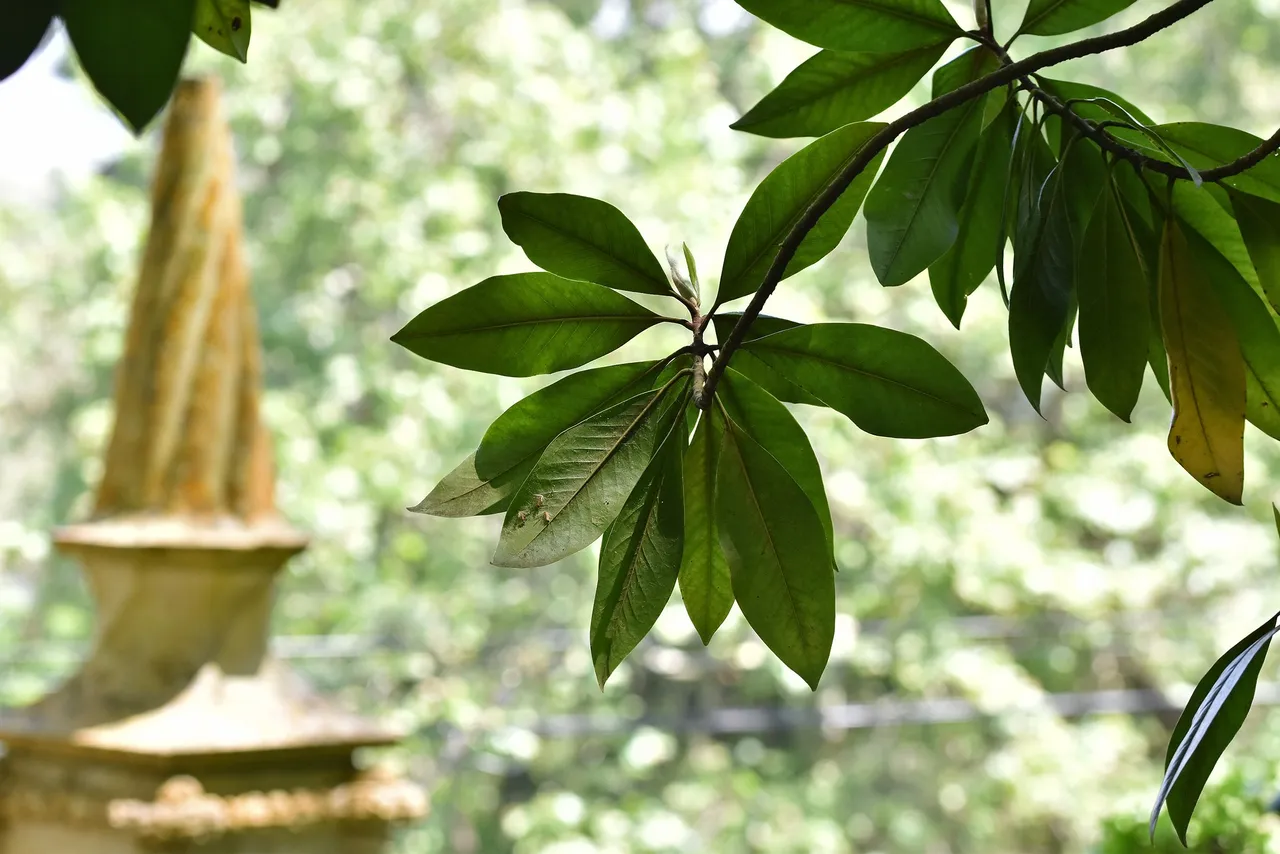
[1022, 610]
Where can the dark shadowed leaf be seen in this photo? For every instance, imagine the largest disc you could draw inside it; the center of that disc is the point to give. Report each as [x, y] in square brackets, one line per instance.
[832, 89]
[705, 585]
[1115, 306]
[863, 26]
[1093, 102]
[1206, 372]
[525, 324]
[225, 25]
[780, 201]
[913, 210]
[639, 560]
[581, 238]
[759, 372]
[1213, 716]
[887, 382]
[1259, 222]
[24, 27]
[132, 50]
[578, 485]
[1054, 17]
[959, 272]
[782, 578]
[767, 420]
[1205, 146]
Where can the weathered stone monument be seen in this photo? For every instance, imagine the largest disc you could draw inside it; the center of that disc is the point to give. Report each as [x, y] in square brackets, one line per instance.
[181, 732]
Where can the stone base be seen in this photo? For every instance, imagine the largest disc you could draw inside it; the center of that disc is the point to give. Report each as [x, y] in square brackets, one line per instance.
[45, 838]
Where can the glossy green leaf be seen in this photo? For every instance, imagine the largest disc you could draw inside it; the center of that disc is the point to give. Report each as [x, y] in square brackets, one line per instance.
[887, 382]
[767, 420]
[581, 238]
[1259, 223]
[781, 200]
[913, 211]
[1206, 372]
[1054, 17]
[24, 28]
[1058, 352]
[639, 561]
[959, 272]
[463, 492]
[1115, 306]
[578, 485]
[832, 89]
[225, 25]
[1211, 719]
[871, 26]
[752, 367]
[782, 578]
[1205, 146]
[705, 585]
[132, 50]
[525, 324]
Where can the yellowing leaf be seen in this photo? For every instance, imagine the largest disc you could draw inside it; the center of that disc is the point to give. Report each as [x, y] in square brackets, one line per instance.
[224, 25]
[1206, 372]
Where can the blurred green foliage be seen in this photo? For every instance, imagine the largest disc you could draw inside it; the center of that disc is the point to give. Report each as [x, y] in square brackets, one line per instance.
[980, 574]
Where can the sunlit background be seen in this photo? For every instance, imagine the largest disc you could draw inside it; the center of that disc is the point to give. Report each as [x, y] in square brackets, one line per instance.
[1022, 611]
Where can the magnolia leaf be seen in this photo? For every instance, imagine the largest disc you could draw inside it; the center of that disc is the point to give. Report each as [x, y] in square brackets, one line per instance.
[1054, 17]
[705, 585]
[464, 492]
[225, 25]
[757, 371]
[871, 26]
[1259, 222]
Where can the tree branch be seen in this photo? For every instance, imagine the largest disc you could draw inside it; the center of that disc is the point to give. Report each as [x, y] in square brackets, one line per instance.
[1007, 74]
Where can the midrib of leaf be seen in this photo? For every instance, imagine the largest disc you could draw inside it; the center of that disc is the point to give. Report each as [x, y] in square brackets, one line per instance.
[623, 584]
[850, 369]
[537, 321]
[624, 262]
[905, 14]
[847, 82]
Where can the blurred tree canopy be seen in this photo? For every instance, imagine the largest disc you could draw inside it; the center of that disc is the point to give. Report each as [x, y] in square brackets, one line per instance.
[1009, 601]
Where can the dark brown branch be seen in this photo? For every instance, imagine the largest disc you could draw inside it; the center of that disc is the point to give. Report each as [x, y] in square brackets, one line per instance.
[1007, 74]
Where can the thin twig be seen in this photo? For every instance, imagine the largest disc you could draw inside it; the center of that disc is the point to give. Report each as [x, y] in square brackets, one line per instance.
[877, 143]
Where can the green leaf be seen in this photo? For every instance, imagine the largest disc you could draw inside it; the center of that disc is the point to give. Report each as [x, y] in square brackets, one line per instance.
[705, 585]
[463, 492]
[752, 367]
[782, 199]
[913, 211]
[24, 28]
[525, 324]
[581, 480]
[1206, 372]
[767, 420]
[960, 271]
[1255, 327]
[1259, 223]
[225, 25]
[1054, 17]
[832, 89]
[1205, 146]
[1213, 716]
[639, 561]
[581, 238]
[132, 50]
[1115, 306]
[872, 26]
[887, 382]
[1093, 102]
[772, 538]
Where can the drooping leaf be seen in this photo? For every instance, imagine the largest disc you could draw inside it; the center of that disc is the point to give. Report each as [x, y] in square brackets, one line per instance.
[832, 89]
[782, 578]
[225, 26]
[959, 272]
[781, 200]
[1213, 716]
[132, 50]
[463, 492]
[759, 372]
[1054, 17]
[525, 324]
[1058, 352]
[581, 238]
[1115, 307]
[1206, 372]
[913, 210]
[887, 382]
[705, 584]
[1259, 222]
[1255, 328]
[24, 28]
[578, 485]
[862, 26]
[766, 419]
[639, 561]
[1200, 211]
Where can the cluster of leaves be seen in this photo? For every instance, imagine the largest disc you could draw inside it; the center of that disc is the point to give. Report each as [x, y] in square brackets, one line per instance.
[132, 50]
[720, 492]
